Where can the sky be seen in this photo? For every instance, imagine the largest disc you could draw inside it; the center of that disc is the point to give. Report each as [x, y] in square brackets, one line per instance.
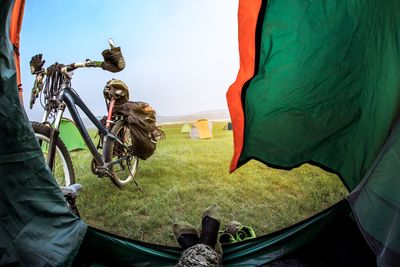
[181, 56]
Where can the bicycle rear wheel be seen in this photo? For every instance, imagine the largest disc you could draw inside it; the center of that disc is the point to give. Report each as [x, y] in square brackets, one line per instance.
[124, 163]
[63, 170]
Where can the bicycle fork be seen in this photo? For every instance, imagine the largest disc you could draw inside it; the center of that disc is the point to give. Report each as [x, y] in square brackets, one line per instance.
[54, 134]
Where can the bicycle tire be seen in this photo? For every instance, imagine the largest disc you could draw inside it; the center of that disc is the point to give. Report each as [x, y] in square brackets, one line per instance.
[113, 149]
[42, 133]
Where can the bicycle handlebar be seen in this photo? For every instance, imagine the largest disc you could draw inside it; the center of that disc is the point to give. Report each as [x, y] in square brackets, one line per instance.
[87, 64]
[113, 62]
[42, 72]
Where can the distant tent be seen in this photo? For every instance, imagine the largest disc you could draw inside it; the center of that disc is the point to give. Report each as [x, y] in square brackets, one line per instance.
[186, 128]
[70, 135]
[228, 126]
[201, 129]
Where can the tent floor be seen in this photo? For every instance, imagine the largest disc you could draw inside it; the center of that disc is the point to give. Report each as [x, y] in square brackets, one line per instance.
[343, 247]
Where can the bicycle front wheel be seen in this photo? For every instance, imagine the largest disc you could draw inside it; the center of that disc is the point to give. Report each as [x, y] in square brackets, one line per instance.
[63, 170]
[124, 164]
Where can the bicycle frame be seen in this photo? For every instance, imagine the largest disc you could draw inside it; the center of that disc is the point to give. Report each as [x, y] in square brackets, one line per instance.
[70, 99]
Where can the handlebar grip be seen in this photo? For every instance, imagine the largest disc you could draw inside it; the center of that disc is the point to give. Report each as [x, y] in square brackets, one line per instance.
[97, 64]
[87, 64]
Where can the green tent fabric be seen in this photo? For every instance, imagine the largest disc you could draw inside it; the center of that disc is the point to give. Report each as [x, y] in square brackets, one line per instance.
[36, 226]
[327, 88]
[111, 250]
[70, 135]
[380, 190]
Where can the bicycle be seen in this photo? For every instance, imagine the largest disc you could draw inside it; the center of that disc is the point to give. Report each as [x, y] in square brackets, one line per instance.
[116, 160]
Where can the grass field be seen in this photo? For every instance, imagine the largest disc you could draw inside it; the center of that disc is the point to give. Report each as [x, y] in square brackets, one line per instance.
[185, 176]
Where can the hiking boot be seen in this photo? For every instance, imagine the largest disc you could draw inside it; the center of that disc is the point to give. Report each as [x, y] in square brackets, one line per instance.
[226, 238]
[245, 232]
[239, 232]
[232, 227]
[186, 234]
[211, 221]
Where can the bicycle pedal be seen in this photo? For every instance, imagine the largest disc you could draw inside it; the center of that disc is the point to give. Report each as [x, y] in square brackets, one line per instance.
[103, 171]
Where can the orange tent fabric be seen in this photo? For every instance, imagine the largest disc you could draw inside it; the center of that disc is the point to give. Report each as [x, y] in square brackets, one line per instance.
[247, 21]
[15, 29]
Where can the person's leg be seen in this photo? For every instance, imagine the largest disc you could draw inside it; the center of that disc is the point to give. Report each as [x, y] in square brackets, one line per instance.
[211, 221]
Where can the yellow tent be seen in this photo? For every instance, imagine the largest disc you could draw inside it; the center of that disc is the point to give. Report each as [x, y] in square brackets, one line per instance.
[201, 129]
[186, 128]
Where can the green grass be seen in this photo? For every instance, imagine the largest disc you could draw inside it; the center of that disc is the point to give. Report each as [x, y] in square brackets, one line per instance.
[185, 176]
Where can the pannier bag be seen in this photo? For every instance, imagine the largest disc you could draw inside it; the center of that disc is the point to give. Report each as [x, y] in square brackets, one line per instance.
[141, 118]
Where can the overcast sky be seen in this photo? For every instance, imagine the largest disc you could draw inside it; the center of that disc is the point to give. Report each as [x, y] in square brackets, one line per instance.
[181, 55]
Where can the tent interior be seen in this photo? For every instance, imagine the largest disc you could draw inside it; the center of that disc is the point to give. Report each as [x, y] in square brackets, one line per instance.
[280, 94]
